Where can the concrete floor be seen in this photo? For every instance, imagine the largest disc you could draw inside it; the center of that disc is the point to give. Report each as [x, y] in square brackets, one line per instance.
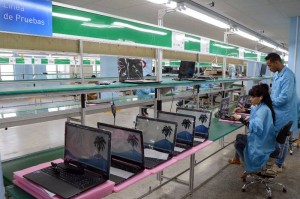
[214, 177]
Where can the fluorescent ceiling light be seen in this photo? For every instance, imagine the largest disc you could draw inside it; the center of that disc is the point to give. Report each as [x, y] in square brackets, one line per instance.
[55, 14]
[267, 44]
[138, 28]
[197, 15]
[94, 25]
[158, 1]
[246, 35]
[282, 50]
[223, 46]
[168, 3]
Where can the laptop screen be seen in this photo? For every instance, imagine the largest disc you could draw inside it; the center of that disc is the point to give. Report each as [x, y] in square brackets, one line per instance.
[224, 106]
[186, 69]
[202, 122]
[241, 101]
[130, 69]
[87, 147]
[157, 134]
[126, 143]
[185, 128]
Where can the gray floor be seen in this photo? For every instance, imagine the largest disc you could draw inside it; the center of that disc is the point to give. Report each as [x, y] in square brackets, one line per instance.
[214, 177]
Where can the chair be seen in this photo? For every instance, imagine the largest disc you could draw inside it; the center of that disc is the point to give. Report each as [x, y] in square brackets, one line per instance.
[265, 177]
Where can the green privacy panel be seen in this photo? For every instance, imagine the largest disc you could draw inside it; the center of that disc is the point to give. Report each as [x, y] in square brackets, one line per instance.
[110, 28]
[97, 62]
[192, 43]
[262, 57]
[61, 61]
[250, 55]
[86, 62]
[175, 63]
[220, 48]
[44, 61]
[20, 61]
[4, 60]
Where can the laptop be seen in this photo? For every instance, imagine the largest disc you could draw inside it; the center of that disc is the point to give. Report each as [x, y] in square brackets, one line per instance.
[186, 70]
[127, 152]
[86, 162]
[159, 139]
[131, 71]
[185, 129]
[202, 122]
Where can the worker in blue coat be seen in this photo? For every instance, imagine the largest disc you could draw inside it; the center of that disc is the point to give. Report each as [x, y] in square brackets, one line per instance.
[284, 99]
[255, 147]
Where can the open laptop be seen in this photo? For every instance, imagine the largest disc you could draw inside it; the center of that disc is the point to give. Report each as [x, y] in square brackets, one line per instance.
[185, 129]
[131, 71]
[202, 122]
[127, 152]
[186, 70]
[159, 139]
[86, 162]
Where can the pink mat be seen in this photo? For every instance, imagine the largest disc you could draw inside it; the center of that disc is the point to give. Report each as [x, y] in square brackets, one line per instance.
[193, 150]
[162, 166]
[131, 181]
[37, 191]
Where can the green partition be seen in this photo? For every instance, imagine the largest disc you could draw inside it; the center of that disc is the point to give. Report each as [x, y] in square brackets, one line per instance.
[220, 48]
[110, 28]
[192, 43]
[250, 55]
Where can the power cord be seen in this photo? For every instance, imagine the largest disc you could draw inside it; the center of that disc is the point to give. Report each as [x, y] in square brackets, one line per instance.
[172, 99]
[113, 109]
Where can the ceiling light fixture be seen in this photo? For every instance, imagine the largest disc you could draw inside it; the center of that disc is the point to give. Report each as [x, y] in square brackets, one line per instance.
[138, 28]
[55, 14]
[267, 44]
[200, 16]
[246, 35]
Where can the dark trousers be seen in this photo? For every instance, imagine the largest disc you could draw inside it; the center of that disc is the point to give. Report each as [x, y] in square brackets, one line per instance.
[240, 144]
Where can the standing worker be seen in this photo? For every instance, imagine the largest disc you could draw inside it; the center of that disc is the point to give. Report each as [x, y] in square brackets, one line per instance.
[284, 99]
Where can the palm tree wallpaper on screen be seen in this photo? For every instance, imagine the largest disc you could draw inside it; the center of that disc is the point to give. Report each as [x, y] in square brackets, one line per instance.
[185, 135]
[202, 129]
[165, 143]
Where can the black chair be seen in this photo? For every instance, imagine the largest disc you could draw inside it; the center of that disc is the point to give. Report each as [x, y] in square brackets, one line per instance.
[266, 177]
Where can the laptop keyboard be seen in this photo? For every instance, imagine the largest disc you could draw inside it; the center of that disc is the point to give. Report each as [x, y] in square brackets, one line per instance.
[79, 181]
[152, 162]
[124, 167]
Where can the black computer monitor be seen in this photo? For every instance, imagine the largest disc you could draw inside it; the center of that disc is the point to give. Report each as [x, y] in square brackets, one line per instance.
[263, 69]
[186, 69]
[167, 69]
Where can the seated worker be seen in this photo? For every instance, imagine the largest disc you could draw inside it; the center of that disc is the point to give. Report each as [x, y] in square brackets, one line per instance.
[255, 147]
[143, 92]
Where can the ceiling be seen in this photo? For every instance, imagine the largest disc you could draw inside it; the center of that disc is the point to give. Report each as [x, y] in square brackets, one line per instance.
[270, 16]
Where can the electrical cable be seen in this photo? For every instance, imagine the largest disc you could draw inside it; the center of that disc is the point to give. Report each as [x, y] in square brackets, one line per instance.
[172, 99]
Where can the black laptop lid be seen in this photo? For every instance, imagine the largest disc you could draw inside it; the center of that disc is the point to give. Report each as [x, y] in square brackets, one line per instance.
[224, 106]
[186, 69]
[185, 125]
[126, 144]
[130, 69]
[202, 122]
[88, 147]
[157, 134]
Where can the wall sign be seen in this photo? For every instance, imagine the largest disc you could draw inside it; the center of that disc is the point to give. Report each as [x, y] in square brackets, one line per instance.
[26, 16]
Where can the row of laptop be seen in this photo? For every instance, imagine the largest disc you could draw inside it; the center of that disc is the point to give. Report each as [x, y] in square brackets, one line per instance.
[243, 102]
[131, 71]
[94, 155]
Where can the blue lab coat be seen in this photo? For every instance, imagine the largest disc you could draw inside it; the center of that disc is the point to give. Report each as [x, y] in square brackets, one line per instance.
[261, 138]
[285, 99]
[145, 91]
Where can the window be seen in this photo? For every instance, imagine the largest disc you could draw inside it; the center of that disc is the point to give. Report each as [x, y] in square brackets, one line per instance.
[7, 72]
